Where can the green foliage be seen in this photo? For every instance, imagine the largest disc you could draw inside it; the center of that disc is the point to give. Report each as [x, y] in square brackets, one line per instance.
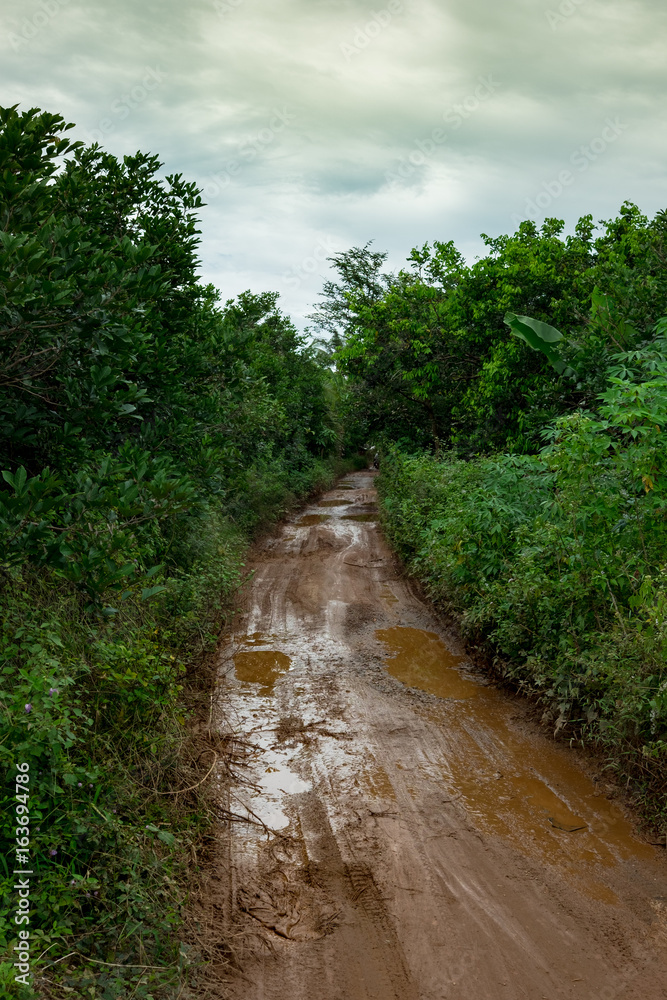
[554, 557]
[146, 433]
[128, 399]
[558, 561]
[428, 354]
[541, 337]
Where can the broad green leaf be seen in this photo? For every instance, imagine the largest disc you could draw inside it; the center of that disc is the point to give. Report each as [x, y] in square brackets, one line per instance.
[540, 337]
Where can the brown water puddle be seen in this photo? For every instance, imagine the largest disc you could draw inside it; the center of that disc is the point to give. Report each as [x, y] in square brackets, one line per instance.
[310, 519]
[261, 666]
[364, 518]
[422, 660]
[334, 503]
[529, 791]
[522, 789]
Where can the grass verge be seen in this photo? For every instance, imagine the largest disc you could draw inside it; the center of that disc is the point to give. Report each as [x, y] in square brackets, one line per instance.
[101, 715]
[563, 604]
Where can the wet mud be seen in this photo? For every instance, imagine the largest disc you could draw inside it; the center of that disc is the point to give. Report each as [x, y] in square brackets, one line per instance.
[409, 832]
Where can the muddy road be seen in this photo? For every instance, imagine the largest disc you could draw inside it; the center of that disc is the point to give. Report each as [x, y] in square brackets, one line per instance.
[413, 834]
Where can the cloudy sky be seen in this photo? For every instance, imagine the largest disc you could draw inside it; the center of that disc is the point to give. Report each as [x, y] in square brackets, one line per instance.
[316, 125]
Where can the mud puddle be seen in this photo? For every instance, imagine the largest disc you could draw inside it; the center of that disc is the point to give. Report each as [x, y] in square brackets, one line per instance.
[308, 520]
[409, 833]
[525, 790]
[261, 667]
[422, 660]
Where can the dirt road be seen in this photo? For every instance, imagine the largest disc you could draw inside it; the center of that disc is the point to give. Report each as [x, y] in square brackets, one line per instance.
[427, 841]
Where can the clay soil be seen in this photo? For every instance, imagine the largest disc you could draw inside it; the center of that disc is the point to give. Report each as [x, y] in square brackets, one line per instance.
[410, 831]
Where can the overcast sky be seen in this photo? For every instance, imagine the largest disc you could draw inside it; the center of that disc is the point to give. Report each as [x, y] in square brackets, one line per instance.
[316, 125]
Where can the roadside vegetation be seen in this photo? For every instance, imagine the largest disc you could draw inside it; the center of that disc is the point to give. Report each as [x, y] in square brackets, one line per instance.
[149, 432]
[520, 404]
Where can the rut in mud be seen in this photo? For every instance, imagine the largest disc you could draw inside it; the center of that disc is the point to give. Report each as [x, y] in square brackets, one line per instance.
[412, 834]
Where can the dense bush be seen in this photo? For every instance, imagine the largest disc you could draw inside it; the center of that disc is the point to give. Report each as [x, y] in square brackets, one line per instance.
[427, 353]
[557, 562]
[146, 433]
[554, 557]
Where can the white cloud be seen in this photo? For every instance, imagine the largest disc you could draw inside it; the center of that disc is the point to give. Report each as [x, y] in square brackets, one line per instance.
[366, 85]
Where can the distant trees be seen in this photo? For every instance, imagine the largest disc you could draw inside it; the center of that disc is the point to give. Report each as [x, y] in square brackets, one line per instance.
[430, 359]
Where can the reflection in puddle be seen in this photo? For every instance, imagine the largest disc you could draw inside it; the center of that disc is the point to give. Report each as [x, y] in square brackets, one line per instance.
[359, 517]
[334, 503]
[422, 660]
[281, 779]
[272, 782]
[260, 666]
[309, 519]
[255, 639]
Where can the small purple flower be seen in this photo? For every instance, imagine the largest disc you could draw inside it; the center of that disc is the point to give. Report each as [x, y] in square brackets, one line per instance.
[28, 707]
[53, 852]
[80, 784]
[73, 882]
[53, 690]
[38, 828]
[115, 810]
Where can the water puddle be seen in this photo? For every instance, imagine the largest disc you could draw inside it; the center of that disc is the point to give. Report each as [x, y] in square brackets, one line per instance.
[334, 503]
[278, 778]
[273, 781]
[255, 639]
[261, 666]
[535, 794]
[310, 519]
[516, 786]
[421, 660]
[364, 518]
